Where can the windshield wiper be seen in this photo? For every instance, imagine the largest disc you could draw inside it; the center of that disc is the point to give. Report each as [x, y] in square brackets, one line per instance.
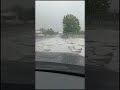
[60, 68]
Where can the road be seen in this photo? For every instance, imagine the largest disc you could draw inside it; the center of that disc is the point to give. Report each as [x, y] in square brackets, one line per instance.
[58, 44]
[60, 50]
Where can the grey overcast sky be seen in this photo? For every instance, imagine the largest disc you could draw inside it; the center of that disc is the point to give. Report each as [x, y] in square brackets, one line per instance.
[49, 14]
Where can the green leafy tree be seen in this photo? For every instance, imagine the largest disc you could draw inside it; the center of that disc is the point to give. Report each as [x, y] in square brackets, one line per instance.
[71, 24]
[97, 6]
[96, 10]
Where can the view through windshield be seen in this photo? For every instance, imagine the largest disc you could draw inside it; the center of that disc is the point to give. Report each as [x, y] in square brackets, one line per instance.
[60, 28]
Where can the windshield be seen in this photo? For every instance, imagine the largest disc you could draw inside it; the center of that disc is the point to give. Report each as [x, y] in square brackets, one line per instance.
[59, 36]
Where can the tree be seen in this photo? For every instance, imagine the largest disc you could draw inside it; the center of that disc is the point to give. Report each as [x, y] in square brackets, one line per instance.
[97, 6]
[96, 10]
[50, 31]
[71, 24]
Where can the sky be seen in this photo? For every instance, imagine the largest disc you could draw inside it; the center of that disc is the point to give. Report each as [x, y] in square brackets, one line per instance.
[49, 14]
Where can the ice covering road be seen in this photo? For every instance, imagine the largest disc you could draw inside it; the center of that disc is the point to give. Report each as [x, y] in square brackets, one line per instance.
[58, 44]
[60, 50]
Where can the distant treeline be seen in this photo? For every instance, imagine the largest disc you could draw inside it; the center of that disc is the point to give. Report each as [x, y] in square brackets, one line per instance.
[48, 31]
